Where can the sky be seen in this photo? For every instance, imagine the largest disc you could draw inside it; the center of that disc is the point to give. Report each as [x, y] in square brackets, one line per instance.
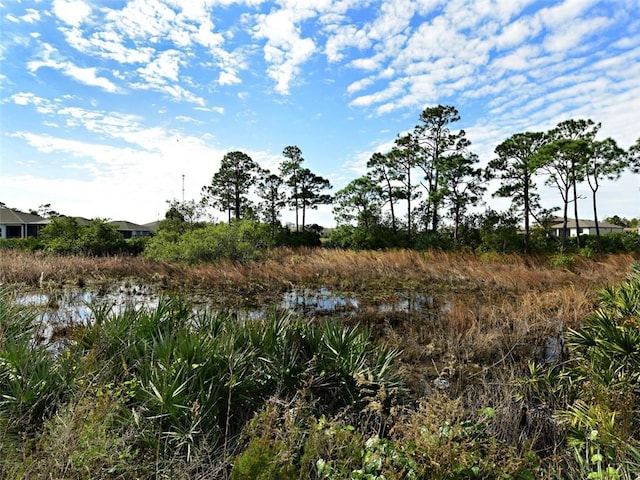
[112, 108]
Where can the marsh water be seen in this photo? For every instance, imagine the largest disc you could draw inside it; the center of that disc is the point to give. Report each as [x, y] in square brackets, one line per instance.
[61, 309]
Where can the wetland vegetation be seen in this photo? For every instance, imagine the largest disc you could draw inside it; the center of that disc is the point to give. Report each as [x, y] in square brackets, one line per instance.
[509, 367]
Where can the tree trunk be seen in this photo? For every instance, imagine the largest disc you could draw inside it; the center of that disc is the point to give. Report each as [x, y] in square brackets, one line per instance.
[457, 223]
[409, 192]
[295, 199]
[393, 215]
[434, 223]
[304, 214]
[527, 207]
[575, 209]
[564, 222]
[595, 219]
[237, 204]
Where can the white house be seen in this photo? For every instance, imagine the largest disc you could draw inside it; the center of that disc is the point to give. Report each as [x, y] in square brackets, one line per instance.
[131, 230]
[587, 227]
[16, 224]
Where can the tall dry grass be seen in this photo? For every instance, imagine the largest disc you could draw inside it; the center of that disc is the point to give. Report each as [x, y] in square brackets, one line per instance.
[493, 314]
[335, 268]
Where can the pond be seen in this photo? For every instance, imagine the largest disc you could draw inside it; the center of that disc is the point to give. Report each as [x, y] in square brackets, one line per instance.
[62, 309]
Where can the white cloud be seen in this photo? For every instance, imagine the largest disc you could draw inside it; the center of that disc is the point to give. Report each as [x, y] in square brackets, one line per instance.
[147, 20]
[344, 37]
[368, 64]
[31, 16]
[25, 98]
[107, 44]
[89, 77]
[515, 33]
[72, 12]
[49, 57]
[42, 105]
[227, 78]
[359, 85]
[145, 173]
[285, 50]
[139, 32]
[569, 35]
[165, 68]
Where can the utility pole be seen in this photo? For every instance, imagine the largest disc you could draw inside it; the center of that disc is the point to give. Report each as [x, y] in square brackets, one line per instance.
[183, 188]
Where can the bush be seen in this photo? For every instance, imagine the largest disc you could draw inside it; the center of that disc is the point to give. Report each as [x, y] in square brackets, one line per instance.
[359, 238]
[238, 241]
[602, 419]
[32, 382]
[66, 236]
[189, 382]
[307, 238]
[563, 260]
[29, 244]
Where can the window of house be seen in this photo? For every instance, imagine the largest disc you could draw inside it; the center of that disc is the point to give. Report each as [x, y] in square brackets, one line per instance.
[14, 231]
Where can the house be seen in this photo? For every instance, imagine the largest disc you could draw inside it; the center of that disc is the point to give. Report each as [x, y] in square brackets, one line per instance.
[17, 224]
[587, 227]
[131, 230]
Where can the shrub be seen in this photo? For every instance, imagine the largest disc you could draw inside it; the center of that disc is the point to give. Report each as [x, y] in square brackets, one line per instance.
[32, 382]
[562, 260]
[238, 241]
[306, 238]
[603, 418]
[29, 244]
[196, 378]
[66, 236]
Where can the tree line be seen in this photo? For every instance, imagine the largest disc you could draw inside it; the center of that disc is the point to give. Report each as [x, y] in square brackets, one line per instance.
[296, 187]
[419, 194]
[431, 173]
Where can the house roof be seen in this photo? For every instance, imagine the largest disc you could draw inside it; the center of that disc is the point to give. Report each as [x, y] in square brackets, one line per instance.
[153, 226]
[9, 216]
[571, 223]
[124, 226]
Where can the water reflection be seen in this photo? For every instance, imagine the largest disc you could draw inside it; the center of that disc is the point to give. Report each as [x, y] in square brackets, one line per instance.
[317, 302]
[68, 308]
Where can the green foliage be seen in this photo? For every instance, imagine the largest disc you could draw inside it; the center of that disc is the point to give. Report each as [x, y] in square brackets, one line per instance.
[358, 238]
[230, 185]
[99, 238]
[307, 238]
[86, 439]
[261, 461]
[618, 242]
[32, 382]
[66, 236]
[62, 235]
[238, 241]
[442, 239]
[30, 244]
[289, 443]
[562, 260]
[603, 420]
[173, 382]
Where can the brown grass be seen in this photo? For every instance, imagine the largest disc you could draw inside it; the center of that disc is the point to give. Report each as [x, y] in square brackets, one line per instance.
[341, 269]
[493, 313]
[498, 303]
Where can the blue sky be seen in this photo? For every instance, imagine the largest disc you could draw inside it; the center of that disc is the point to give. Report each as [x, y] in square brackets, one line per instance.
[106, 104]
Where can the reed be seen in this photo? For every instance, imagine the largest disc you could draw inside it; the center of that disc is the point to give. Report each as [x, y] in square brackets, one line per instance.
[349, 270]
[483, 364]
